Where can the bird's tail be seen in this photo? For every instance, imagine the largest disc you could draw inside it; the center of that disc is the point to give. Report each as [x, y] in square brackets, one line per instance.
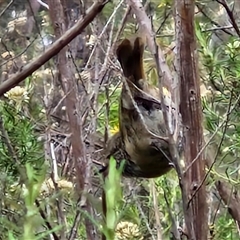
[130, 56]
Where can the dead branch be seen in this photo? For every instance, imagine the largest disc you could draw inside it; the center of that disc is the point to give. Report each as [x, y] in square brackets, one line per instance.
[230, 15]
[67, 37]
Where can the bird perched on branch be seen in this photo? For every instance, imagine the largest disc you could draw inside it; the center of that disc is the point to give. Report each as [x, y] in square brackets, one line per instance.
[142, 138]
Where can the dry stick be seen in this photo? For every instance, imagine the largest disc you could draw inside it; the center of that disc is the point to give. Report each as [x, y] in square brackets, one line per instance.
[230, 15]
[6, 8]
[120, 28]
[110, 95]
[210, 162]
[104, 68]
[103, 31]
[107, 106]
[74, 228]
[143, 216]
[48, 224]
[90, 229]
[230, 199]
[98, 83]
[201, 9]
[67, 37]
[104, 201]
[6, 140]
[55, 179]
[171, 134]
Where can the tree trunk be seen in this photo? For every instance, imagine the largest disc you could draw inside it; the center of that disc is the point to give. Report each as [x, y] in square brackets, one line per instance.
[195, 210]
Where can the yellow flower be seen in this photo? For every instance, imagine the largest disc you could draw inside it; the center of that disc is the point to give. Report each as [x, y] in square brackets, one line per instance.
[48, 186]
[7, 55]
[91, 41]
[128, 231]
[17, 94]
[115, 129]
[162, 4]
[166, 92]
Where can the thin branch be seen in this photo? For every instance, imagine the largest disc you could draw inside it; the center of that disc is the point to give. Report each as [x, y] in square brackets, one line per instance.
[44, 217]
[103, 31]
[74, 228]
[120, 29]
[43, 4]
[230, 15]
[146, 30]
[6, 8]
[201, 9]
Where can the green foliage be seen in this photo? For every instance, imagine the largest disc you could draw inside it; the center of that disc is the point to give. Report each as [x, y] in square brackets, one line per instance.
[22, 172]
[220, 64]
[113, 108]
[225, 228]
[19, 143]
[32, 191]
[113, 197]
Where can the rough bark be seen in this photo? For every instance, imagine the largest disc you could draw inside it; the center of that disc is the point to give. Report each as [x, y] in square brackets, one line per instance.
[74, 113]
[190, 107]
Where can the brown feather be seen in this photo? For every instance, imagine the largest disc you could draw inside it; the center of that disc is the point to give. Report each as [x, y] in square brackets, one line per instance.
[146, 155]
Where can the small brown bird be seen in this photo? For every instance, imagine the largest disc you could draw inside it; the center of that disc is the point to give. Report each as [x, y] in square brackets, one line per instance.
[140, 119]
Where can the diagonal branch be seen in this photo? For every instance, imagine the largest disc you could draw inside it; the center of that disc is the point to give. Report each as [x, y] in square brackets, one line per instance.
[66, 38]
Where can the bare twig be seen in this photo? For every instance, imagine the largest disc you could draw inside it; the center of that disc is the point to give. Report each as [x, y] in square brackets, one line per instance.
[143, 216]
[44, 217]
[54, 163]
[201, 9]
[43, 4]
[225, 190]
[102, 32]
[74, 229]
[230, 15]
[74, 106]
[110, 50]
[146, 29]
[225, 119]
[7, 141]
[6, 8]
